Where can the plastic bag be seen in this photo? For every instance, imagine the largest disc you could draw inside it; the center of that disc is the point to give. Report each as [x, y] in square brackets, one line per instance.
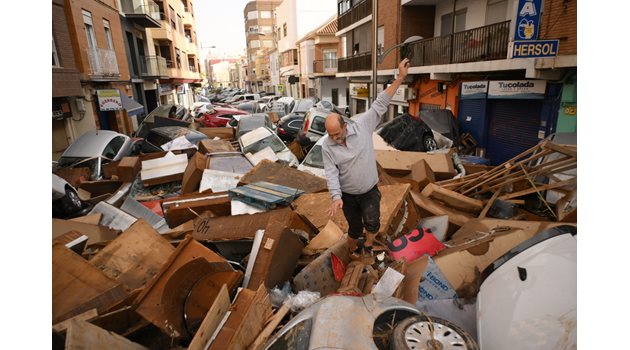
[302, 300]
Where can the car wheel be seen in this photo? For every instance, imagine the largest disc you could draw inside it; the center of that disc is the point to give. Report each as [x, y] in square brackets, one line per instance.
[424, 332]
[429, 143]
[73, 202]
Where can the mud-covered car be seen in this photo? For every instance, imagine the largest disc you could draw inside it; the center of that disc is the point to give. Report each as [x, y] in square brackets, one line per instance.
[66, 203]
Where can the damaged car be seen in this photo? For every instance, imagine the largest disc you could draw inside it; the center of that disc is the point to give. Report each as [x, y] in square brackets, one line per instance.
[259, 139]
[66, 203]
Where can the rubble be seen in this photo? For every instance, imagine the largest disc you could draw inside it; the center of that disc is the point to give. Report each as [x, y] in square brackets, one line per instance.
[189, 250]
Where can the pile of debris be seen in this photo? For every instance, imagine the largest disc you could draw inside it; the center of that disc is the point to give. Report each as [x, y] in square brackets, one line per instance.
[190, 250]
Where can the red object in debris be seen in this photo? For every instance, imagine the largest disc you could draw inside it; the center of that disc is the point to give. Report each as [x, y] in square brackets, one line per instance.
[414, 245]
[154, 206]
[339, 269]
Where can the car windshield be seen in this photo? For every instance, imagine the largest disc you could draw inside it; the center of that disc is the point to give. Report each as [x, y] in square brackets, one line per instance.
[269, 141]
[315, 158]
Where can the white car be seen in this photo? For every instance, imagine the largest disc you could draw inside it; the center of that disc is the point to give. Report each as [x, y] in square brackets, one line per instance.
[199, 108]
[314, 162]
[261, 138]
[94, 149]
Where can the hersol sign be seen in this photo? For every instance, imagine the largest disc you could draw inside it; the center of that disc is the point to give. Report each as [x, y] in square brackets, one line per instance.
[519, 89]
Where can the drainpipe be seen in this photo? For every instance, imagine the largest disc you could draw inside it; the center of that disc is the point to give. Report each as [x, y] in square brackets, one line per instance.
[374, 53]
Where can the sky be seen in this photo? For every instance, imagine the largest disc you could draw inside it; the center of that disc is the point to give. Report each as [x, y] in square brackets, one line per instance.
[220, 23]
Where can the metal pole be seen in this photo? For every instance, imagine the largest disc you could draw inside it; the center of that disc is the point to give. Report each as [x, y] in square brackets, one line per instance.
[374, 53]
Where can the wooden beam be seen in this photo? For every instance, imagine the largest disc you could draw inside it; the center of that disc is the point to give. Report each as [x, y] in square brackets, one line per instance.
[550, 186]
[83, 335]
[211, 322]
[268, 330]
[453, 199]
[489, 204]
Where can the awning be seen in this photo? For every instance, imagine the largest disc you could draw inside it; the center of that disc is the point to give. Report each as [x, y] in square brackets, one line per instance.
[131, 105]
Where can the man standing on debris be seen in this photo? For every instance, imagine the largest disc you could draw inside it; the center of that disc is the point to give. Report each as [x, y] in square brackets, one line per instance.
[350, 166]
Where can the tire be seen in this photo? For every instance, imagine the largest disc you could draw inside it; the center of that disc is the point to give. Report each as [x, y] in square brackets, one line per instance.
[415, 333]
[429, 143]
[72, 202]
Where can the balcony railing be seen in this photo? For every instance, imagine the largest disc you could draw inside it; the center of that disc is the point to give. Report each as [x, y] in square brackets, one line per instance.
[325, 66]
[355, 14]
[153, 66]
[145, 12]
[102, 62]
[480, 44]
[355, 63]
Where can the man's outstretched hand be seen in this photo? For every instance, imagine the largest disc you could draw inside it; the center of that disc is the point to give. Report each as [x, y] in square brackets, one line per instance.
[403, 68]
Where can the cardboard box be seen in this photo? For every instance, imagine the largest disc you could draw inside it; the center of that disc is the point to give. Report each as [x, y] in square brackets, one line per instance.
[194, 172]
[169, 168]
[399, 163]
[419, 176]
[212, 146]
[94, 192]
[128, 168]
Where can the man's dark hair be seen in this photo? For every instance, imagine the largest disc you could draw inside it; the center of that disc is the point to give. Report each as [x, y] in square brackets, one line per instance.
[342, 122]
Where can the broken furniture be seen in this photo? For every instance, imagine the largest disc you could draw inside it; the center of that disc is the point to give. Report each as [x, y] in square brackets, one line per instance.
[265, 195]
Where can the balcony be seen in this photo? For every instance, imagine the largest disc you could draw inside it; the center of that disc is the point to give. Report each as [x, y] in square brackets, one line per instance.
[325, 67]
[188, 19]
[355, 14]
[361, 62]
[153, 67]
[102, 62]
[480, 44]
[164, 32]
[145, 13]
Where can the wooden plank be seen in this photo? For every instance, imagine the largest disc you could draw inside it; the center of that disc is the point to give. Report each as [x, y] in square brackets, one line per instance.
[92, 219]
[86, 316]
[177, 209]
[485, 210]
[135, 256]
[400, 162]
[453, 199]
[562, 149]
[78, 286]
[261, 339]
[211, 322]
[122, 321]
[454, 216]
[214, 146]
[96, 233]
[83, 335]
[246, 321]
[224, 133]
[284, 175]
[545, 187]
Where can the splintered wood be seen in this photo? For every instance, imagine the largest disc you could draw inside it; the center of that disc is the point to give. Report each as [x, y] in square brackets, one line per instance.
[544, 167]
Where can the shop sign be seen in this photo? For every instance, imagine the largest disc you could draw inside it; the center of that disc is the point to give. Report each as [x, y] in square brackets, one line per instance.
[535, 48]
[109, 100]
[181, 89]
[61, 108]
[359, 90]
[474, 90]
[165, 88]
[527, 20]
[517, 89]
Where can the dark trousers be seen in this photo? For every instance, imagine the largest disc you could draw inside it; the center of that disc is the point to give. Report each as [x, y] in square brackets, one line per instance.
[362, 210]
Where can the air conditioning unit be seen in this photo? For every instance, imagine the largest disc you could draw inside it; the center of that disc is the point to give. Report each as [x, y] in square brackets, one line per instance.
[410, 94]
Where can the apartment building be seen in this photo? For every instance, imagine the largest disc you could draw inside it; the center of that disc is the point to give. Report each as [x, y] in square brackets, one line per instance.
[506, 68]
[259, 31]
[295, 18]
[99, 53]
[318, 51]
[67, 121]
[145, 66]
[176, 41]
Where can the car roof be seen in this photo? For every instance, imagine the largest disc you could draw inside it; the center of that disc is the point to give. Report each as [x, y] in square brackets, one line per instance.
[91, 143]
[256, 134]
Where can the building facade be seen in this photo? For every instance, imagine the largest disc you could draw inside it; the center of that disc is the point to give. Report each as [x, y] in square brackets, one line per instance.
[176, 42]
[318, 52]
[473, 59]
[259, 32]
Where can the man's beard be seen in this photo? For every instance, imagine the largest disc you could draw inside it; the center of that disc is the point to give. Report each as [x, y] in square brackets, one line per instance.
[340, 140]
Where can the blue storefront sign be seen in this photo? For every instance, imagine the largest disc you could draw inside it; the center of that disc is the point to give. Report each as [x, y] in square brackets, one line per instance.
[527, 20]
[535, 48]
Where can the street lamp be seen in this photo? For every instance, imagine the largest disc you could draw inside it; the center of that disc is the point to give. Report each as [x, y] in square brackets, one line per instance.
[379, 58]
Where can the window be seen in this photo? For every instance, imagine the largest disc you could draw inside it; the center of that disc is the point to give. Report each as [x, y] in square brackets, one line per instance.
[55, 58]
[267, 43]
[254, 44]
[447, 24]
[266, 29]
[344, 6]
[284, 29]
[330, 59]
[179, 24]
[252, 29]
[184, 60]
[496, 11]
[112, 148]
[171, 16]
[265, 14]
[185, 5]
[178, 58]
[279, 34]
[108, 34]
[319, 124]
[252, 15]
[89, 30]
[252, 57]
[380, 39]
[344, 46]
